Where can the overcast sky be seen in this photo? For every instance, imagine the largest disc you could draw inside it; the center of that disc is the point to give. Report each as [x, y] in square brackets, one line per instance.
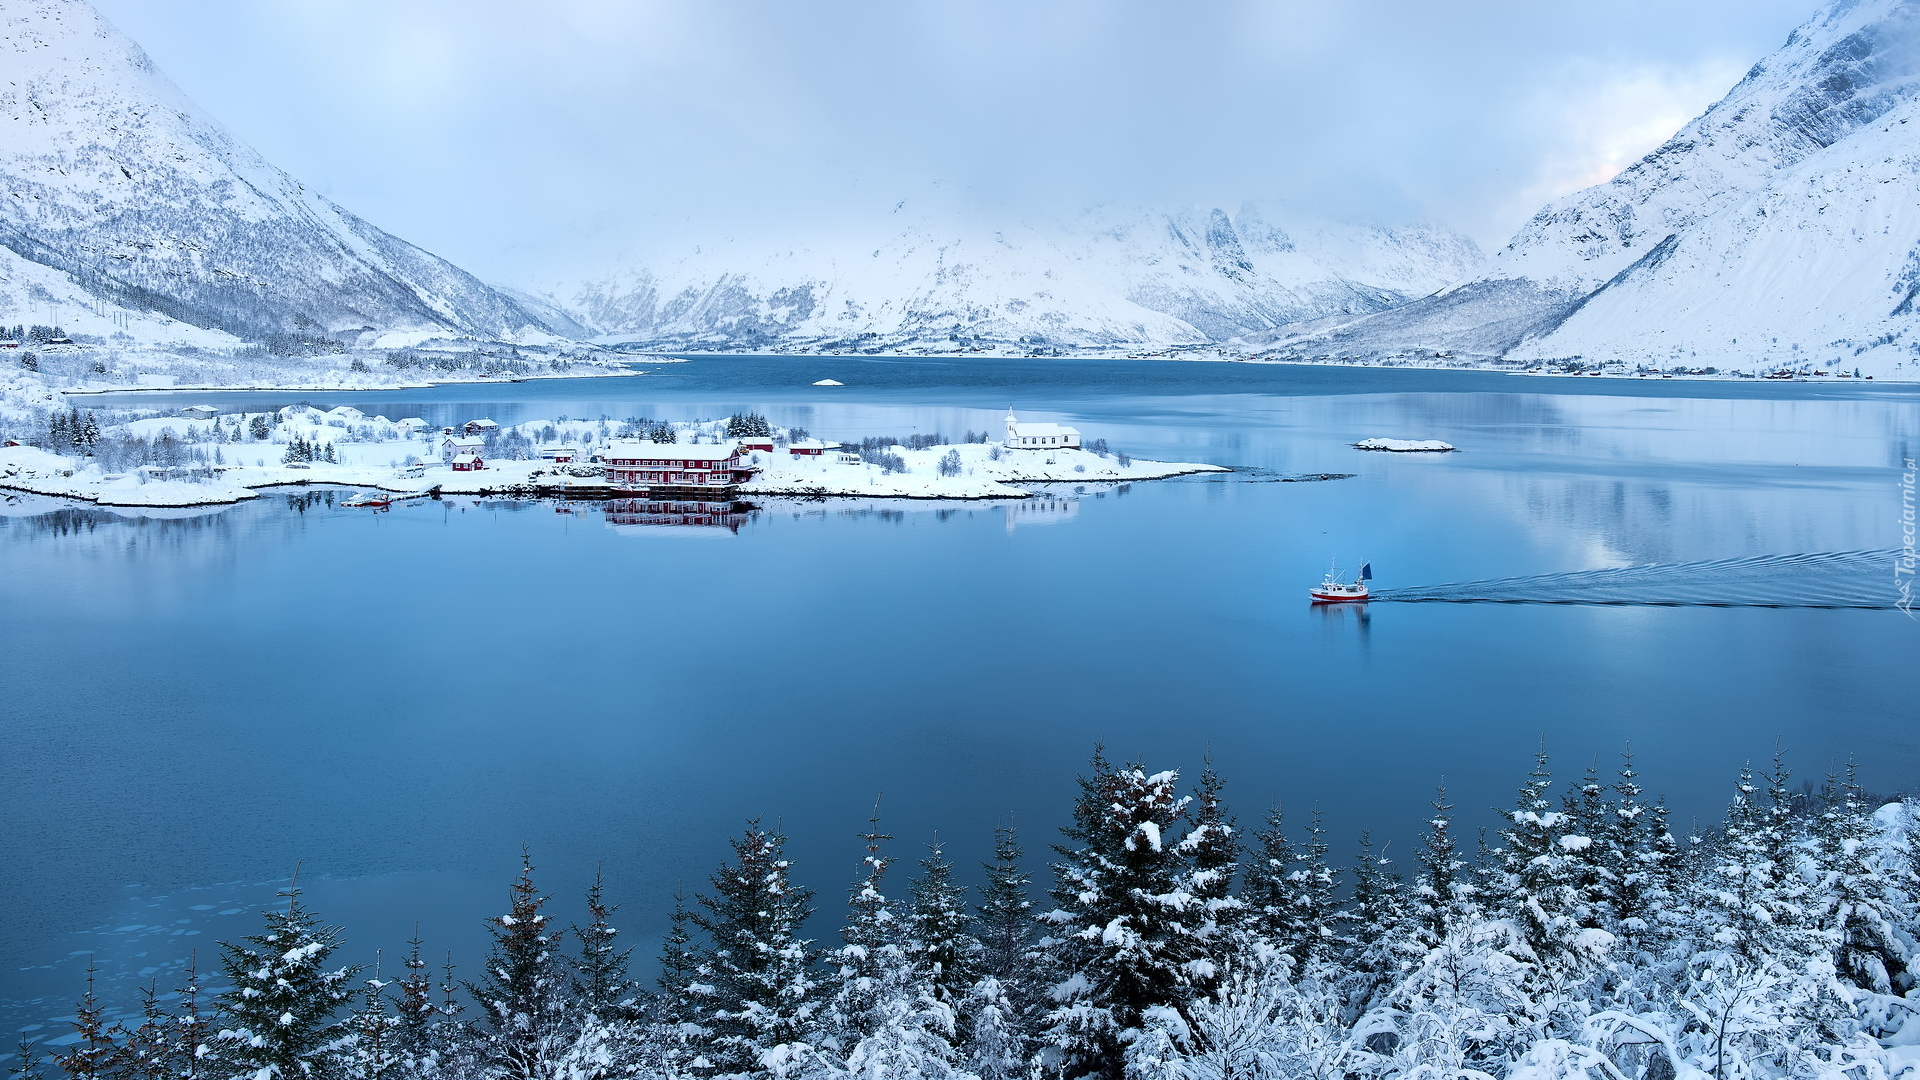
[541, 141]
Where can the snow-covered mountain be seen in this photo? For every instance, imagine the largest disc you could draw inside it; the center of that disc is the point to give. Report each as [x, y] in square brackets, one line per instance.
[127, 208]
[1113, 276]
[1780, 228]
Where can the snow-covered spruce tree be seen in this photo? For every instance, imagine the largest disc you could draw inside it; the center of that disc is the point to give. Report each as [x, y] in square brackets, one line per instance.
[1264, 892]
[1211, 849]
[1442, 896]
[997, 1016]
[414, 1007]
[1126, 928]
[1005, 912]
[190, 1047]
[1537, 878]
[370, 1050]
[146, 1049]
[940, 943]
[1378, 943]
[276, 1017]
[94, 1053]
[756, 992]
[1312, 908]
[1593, 867]
[679, 966]
[871, 943]
[601, 986]
[520, 995]
[1861, 912]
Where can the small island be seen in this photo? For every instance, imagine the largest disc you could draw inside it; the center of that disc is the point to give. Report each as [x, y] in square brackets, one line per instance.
[205, 458]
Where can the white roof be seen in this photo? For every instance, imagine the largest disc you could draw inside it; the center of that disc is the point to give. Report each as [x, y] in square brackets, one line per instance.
[1026, 431]
[812, 444]
[411, 421]
[482, 422]
[465, 440]
[637, 450]
[465, 458]
[559, 450]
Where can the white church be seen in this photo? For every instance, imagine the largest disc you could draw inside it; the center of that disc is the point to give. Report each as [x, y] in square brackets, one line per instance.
[1039, 436]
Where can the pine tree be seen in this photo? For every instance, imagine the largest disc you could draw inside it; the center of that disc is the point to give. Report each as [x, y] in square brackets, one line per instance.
[1442, 898]
[600, 982]
[1268, 903]
[940, 944]
[371, 1051]
[679, 964]
[1379, 938]
[1006, 912]
[1593, 867]
[277, 1013]
[146, 1050]
[1311, 906]
[521, 994]
[1536, 876]
[414, 1009]
[1211, 849]
[872, 941]
[1125, 929]
[191, 1049]
[755, 989]
[94, 1055]
[1860, 912]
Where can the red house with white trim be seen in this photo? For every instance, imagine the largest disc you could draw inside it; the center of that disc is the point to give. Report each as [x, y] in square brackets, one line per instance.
[649, 466]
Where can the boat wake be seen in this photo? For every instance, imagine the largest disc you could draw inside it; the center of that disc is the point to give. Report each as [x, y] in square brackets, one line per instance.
[1838, 579]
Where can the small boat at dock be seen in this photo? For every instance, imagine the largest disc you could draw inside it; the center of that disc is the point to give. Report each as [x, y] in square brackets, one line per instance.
[1334, 591]
[375, 500]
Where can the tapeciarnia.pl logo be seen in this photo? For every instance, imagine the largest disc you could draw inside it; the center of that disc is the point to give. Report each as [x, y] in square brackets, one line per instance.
[1903, 567]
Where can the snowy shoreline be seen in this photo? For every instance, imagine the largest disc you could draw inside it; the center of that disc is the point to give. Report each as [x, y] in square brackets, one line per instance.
[230, 458]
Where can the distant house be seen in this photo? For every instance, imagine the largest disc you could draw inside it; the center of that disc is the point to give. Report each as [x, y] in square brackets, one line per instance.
[560, 455]
[199, 412]
[1040, 436]
[455, 445]
[810, 448]
[468, 463]
[412, 425]
[633, 465]
[8, 343]
[757, 442]
[480, 426]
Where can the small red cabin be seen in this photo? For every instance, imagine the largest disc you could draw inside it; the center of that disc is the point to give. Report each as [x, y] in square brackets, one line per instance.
[468, 463]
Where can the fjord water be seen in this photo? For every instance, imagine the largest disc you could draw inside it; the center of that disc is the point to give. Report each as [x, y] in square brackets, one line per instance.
[194, 703]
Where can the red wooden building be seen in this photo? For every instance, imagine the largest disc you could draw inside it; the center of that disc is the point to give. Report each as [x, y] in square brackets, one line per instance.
[650, 466]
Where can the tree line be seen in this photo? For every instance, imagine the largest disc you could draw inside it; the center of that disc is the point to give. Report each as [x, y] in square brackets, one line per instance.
[1583, 937]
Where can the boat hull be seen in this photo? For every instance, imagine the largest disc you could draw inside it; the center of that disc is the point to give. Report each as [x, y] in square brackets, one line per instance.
[1338, 598]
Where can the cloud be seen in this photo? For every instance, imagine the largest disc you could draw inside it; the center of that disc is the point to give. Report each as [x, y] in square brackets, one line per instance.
[539, 141]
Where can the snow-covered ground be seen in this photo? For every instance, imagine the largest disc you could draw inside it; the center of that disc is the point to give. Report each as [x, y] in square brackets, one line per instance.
[200, 461]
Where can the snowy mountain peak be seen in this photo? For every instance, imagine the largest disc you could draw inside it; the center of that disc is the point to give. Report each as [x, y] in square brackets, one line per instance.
[1776, 229]
[122, 198]
[1112, 276]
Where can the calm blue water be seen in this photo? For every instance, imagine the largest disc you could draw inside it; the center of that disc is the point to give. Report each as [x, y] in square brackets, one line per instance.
[398, 701]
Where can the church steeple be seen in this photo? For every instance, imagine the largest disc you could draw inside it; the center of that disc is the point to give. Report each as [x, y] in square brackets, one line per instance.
[1013, 428]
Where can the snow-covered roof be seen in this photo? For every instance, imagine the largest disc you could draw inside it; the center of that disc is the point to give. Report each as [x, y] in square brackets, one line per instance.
[411, 421]
[812, 444]
[1035, 431]
[559, 450]
[636, 450]
[464, 440]
[466, 459]
[483, 422]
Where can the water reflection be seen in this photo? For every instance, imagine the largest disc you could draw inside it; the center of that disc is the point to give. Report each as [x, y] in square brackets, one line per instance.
[653, 513]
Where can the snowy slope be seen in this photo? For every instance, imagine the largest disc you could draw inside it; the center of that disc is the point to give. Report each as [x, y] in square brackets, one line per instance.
[1786, 210]
[112, 178]
[1112, 276]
